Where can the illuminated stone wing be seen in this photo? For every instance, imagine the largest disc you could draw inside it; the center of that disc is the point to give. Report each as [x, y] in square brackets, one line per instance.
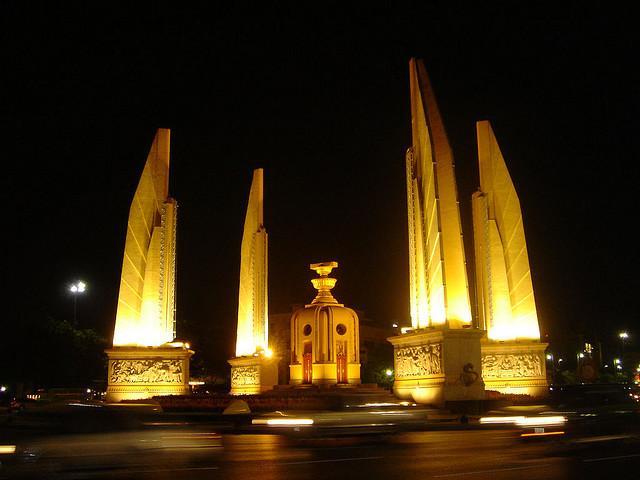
[252, 330]
[439, 288]
[502, 261]
[146, 302]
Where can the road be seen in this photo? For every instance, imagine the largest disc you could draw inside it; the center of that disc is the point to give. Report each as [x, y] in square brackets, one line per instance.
[197, 453]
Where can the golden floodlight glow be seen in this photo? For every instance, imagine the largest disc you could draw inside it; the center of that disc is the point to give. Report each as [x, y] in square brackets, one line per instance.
[146, 299]
[252, 331]
[437, 271]
[506, 302]
[7, 449]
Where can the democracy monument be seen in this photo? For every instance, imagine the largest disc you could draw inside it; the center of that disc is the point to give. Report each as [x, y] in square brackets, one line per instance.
[444, 356]
[145, 359]
[453, 351]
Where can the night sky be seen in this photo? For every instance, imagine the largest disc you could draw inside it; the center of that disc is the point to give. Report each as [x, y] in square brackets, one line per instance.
[318, 97]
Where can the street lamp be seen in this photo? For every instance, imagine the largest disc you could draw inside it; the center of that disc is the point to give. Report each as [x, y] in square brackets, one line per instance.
[624, 336]
[76, 289]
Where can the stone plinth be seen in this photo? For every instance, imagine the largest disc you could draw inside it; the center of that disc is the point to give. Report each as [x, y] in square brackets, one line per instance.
[251, 375]
[434, 366]
[515, 367]
[136, 373]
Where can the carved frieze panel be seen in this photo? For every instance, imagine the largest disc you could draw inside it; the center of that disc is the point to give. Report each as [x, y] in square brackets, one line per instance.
[418, 361]
[146, 371]
[245, 376]
[511, 365]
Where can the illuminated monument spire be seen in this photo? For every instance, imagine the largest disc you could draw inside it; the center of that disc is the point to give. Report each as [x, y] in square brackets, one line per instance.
[146, 301]
[144, 360]
[253, 325]
[513, 359]
[507, 308]
[253, 370]
[439, 290]
[438, 359]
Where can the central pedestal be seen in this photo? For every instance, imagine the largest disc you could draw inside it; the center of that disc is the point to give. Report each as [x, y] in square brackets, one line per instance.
[437, 365]
[253, 374]
[136, 373]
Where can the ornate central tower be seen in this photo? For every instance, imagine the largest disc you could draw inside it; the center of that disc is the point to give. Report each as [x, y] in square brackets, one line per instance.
[325, 337]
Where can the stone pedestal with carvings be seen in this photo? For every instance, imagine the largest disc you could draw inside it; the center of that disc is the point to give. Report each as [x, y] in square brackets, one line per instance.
[136, 373]
[253, 374]
[436, 365]
[515, 367]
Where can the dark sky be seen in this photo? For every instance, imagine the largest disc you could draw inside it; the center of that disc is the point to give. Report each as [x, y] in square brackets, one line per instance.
[319, 97]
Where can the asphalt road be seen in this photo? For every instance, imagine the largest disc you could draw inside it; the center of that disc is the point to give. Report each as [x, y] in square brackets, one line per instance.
[201, 453]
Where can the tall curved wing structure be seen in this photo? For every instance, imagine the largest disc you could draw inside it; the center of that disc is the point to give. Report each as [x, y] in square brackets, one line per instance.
[507, 308]
[439, 290]
[146, 300]
[252, 333]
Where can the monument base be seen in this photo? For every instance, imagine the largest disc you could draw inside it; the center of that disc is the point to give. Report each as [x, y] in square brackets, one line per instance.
[137, 373]
[324, 374]
[253, 375]
[515, 367]
[437, 365]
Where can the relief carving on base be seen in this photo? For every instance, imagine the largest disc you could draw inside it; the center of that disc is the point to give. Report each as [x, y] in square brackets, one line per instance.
[511, 366]
[418, 361]
[245, 376]
[146, 371]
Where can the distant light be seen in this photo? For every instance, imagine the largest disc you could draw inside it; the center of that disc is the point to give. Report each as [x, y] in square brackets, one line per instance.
[560, 360]
[541, 421]
[500, 420]
[3, 388]
[542, 434]
[288, 422]
[549, 356]
[606, 365]
[78, 287]
[395, 325]
[616, 361]
[623, 335]
[389, 372]
[619, 367]
[88, 390]
[268, 353]
[406, 329]
[581, 355]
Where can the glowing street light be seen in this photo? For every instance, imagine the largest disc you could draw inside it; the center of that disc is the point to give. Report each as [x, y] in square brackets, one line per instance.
[388, 372]
[624, 336]
[76, 289]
